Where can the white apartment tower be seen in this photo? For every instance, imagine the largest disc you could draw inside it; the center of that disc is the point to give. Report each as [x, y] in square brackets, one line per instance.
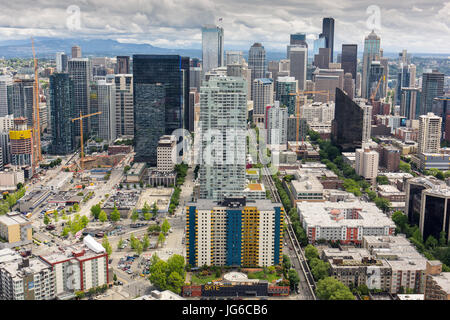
[366, 163]
[276, 124]
[429, 133]
[262, 92]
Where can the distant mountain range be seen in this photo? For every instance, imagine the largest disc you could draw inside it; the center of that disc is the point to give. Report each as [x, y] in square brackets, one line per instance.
[47, 48]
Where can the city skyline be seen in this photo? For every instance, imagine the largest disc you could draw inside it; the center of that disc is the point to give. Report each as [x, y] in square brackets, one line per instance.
[400, 25]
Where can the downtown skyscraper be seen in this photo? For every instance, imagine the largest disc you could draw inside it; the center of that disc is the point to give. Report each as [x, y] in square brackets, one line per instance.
[61, 114]
[80, 72]
[212, 47]
[161, 98]
[432, 87]
[371, 53]
[223, 120]
[328, 34]
[257, 61]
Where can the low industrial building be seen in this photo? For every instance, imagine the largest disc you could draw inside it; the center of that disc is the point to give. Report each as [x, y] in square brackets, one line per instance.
[32, 200]
[307, 188]
[391, 193]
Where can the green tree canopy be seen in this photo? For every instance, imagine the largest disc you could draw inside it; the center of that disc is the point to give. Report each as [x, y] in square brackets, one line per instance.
[103, 217]
[311, 252]
[95, 211]
[332, 289]
[106, 245]
[115, 215]
[165, 226]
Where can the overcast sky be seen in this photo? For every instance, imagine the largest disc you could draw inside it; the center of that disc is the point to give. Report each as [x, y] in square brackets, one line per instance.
[415, 25]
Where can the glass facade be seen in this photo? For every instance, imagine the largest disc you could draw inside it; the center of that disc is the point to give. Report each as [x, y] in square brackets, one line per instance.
[435, 216]
[212, 47]
[349, 59]
[160, 98]
[347, 126]
[62, 112]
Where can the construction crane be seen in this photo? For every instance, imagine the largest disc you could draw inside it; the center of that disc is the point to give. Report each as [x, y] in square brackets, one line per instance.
[299, 94]
[80, 118]
[372, 97]
[36, 117]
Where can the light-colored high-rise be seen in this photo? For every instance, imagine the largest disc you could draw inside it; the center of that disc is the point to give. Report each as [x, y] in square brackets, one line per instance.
[223, 121]
[5, 81]
[429, 133]
[234, 57]
[124, 103]
[212, 47]
[76, 52]
[167, 157]
[276, 124]
[366, 163]
[262, 92]
[298, 57]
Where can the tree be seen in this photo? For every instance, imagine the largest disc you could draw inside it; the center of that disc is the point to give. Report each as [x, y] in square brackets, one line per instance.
[46, 220]
[134, 215]
[154, 228]
[55, 215]
[286, 262]
[319, 269]
[174, 282]
[158, 274]
[138, 248]
[400, 220]
[442, 238]
[76, 207]
[161, 238]
[95, 211]
[332, 289]
[103, 217]
[383, 204]
[145, 208]
[165, 226]
[115, 215]
[133, 241]
[431, 242]
[120, 243]
[145, 242]
[382, 180]
[293, 277]
[311, 252]
[115, 277]
[154, 209]
[84, 221]
[106, 245]
[65, 232]
[176, 264]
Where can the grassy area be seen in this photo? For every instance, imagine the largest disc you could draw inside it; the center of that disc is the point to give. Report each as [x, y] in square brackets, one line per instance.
[199, 280]
[264, 276]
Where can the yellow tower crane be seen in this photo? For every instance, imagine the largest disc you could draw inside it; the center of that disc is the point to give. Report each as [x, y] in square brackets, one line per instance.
[80, 118]
[372, 97]
[299, 94]
[36, 116]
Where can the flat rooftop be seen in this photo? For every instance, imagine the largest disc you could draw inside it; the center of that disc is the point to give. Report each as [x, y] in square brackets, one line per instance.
[13, 218]
[336, 214]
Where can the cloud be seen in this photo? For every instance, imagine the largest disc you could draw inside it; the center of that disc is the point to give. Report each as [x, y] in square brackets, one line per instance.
[416, 25]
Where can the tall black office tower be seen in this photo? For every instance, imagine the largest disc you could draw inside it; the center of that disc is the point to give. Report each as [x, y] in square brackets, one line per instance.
[349, 59]
[328, 32]
[161, 97]
[432, 87]
[62, 112]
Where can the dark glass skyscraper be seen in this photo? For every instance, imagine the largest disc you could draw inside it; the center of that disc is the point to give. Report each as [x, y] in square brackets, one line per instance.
[62, 112]
[123, 64]
[349, 59]
[328, 32]
[347, 126]
[161, 97]
[432, 87]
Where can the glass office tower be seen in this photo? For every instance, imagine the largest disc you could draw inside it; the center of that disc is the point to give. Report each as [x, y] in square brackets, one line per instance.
[161, 94]
[212, 47]
[62, 112]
